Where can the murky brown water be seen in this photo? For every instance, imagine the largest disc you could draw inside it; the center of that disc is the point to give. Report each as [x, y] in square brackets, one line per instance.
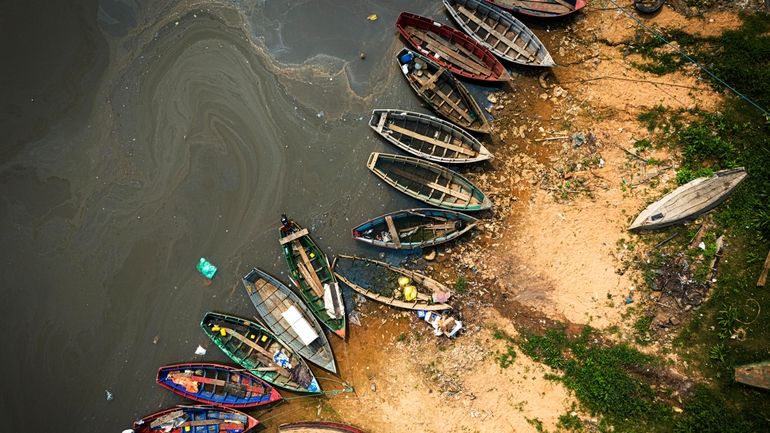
[139, 137]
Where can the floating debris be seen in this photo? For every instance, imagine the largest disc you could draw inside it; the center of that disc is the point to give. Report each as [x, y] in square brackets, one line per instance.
[200, 350]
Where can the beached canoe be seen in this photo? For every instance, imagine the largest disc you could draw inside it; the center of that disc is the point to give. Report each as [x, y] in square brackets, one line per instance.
[443, 93]
[310, 272]
[259, 351]
[428, 182]
[689, 200]
[414, 228]
[540, 8]
[498, 30]
[428, 137]
[451, 49]
[217, 385]
[317, 427]
[196, 419]
[757, 374]
[289, 318]
[379, 281]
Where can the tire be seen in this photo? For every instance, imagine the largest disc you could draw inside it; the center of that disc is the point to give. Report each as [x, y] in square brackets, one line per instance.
[648, 6]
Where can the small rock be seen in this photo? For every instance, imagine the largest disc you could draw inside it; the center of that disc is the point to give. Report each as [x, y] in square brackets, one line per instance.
[362, 55]
[373, 387]
[674, 321]
[492, 98]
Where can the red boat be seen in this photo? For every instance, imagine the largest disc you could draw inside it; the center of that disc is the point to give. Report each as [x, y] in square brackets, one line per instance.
[451, 49]
[196, 419]
[540, 8]
[317, 427]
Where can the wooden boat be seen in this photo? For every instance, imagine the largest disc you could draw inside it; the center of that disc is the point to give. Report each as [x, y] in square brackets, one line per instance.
[260, 352]
[414, 228]
[498, 30]
[451, 49]
[428, 137]
[447, 96]
[757, 374]
[540, 8]
[289, 318]
[217, 385]
[310, 272]
[428, 182]
[379, 281]
[317, 427]
[196, 419]
[689, 200]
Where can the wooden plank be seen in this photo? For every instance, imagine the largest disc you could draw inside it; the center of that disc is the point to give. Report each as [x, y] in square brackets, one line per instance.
[309, 271]
[383, 119]
[434, 185]
[763, 276]
[203, 422]
[453, 104]
[501, 37]
[392, 230]
[166, 418]
[216, 382]
[245, 340]
[451, 56]
[431, 81]
[469, 55]
[294, 236]
[431, 140]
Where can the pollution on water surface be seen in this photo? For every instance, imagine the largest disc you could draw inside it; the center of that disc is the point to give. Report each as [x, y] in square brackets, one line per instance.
[139, 137]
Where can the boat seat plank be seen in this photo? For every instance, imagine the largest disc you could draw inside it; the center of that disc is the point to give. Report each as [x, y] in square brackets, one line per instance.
[470, 56]
[461, 111]
[383, 119]
[243, 339]
[294, 236]
[431, 81]
[434, 185]
[431, 140]
[484, 25]
[393, 231]
[452, 57]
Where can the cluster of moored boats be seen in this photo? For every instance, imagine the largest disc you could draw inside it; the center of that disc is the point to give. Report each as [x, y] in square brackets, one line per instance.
[273, 351]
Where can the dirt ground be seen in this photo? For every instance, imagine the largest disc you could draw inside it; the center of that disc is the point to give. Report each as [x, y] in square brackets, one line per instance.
[549, 251]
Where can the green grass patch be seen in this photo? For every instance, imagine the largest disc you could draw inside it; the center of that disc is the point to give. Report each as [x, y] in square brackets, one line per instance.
[461, 285]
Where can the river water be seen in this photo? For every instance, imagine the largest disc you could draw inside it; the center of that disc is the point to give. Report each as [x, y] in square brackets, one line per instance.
[140, 136]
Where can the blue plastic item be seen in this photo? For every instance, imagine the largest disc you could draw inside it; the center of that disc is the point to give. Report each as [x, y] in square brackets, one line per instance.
[206, 268]
[406, 58]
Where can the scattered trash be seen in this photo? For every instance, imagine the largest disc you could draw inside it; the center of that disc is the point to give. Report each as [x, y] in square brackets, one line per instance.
[702, 246]
[320, 114]
[578, 139]
[372, 17]
[430, 255]
[200, 350]
[156, 339]
[206, 268]
[446, 325]
[109, 395]
[354, 318]
[362, 55]
[629, 299]
[373, 387]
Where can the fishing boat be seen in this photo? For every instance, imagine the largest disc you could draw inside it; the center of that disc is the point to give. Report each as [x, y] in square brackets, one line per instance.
[196, 419]
[380, 281]
[447, 96]
[499, 31]
[451, 49]
[540, 8]
[217, 385]
[428, 137]
[310, 272]
[317, 427]
[289, 318]
[428, 182]
[414, 228]
[689, 200]
[757, 374]
[260, 352]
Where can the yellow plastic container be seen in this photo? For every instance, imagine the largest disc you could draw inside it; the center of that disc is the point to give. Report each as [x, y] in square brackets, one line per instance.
[410, 293]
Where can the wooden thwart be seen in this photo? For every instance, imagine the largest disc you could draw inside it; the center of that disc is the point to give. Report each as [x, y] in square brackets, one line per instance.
[504, 39]
[440, 47]
[307, 270]
[462, 112]
[258, 348]
[434, 185]
[431, 140]
[392, 229]
[294, 236]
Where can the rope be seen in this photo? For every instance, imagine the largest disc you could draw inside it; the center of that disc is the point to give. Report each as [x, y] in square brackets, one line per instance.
[660, 36]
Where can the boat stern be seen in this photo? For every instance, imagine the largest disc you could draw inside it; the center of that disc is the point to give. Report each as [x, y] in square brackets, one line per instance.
[372, 161]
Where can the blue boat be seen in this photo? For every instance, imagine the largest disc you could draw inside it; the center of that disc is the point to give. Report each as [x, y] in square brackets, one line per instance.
[196, 419]
[217, 385]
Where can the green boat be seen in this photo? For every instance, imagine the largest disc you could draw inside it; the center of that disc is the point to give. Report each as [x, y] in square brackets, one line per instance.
[311, 274]
[260, 352]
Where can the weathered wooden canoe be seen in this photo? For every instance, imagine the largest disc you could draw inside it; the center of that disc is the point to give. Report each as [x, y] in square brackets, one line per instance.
[260, 352]
[540, 8]
[689, 200]
[414, 228]
[451, 49]
[447, 96]
[379, 281]
[216, 384]
[289, 318]
[317, 427]
[310, 272]
[757, 374]
[428, 137]
[196, 419]
[499, 31]
[428, 182]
